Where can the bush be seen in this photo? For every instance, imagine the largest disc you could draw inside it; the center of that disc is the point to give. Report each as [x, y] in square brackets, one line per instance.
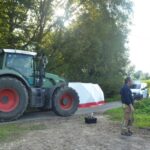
[148, 82]
[143, 106]
[113, 98]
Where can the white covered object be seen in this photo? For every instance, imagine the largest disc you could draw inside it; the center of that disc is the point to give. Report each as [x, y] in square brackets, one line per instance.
[88, 93]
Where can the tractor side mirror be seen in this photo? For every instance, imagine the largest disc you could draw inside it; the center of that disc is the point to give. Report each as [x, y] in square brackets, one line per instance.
[42, 59]
[41, 62]
[45, 61]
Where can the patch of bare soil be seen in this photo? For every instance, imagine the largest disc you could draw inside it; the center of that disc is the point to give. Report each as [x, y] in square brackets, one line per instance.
[73, 134]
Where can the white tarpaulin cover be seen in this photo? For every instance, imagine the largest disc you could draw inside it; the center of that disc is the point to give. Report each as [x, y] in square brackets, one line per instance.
[89, 94]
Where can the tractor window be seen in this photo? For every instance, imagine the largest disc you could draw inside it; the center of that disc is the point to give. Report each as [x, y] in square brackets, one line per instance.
[1, 60]
[21, 63]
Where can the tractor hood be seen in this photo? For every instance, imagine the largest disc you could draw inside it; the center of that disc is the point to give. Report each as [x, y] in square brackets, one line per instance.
[55, 78]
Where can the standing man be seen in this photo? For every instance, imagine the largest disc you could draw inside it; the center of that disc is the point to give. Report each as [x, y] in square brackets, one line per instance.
[128, 109]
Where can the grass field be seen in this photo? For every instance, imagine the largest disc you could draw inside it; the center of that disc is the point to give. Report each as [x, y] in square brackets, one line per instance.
[14, 130]
[141, 115]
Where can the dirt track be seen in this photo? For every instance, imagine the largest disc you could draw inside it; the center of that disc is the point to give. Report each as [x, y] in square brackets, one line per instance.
[73, 134]
[39, 116]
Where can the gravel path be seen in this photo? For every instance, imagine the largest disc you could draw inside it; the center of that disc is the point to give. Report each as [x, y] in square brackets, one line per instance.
[32, 116]
[73, 134]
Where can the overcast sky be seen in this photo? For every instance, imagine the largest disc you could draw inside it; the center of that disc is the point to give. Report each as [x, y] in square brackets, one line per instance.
[139, 38]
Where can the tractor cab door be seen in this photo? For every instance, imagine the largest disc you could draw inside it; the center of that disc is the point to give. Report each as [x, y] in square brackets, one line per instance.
[40, 65]
[23, 64]
[1, 60]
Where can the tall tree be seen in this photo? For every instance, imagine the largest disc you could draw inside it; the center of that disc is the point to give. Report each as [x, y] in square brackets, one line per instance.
[13, 15]
[93, 48]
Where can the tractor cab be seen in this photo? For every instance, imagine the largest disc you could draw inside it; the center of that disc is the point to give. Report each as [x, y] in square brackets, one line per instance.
[30, 65]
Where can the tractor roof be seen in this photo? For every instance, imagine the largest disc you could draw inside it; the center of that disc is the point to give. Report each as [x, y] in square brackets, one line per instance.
[19, 52]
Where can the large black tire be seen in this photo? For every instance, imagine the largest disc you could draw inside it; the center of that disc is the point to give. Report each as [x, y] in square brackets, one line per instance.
[13, 98]
[65, 101]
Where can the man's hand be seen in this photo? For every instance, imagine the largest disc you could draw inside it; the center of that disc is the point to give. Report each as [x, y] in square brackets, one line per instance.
[132, 108]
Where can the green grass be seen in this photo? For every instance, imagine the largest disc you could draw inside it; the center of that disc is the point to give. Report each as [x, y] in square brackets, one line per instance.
[141, 115]
[11, 131]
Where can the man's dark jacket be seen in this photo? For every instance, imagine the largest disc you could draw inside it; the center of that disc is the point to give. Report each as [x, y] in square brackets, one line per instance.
[126, 95]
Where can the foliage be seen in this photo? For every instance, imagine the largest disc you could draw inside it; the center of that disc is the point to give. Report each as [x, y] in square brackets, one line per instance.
[141, 115]
[143, 107]
[139, 75]
[13, 14]
[92, 48]
[148, 84]
[113, 98]
[147, 81]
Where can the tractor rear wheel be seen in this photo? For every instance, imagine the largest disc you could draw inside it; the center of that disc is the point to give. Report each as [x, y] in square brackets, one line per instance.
[13, 98]
[65, 101]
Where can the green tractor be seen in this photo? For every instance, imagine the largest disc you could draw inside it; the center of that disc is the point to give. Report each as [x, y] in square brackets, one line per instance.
[24, 83]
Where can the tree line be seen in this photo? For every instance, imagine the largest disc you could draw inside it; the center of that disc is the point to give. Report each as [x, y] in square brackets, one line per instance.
[87, 43]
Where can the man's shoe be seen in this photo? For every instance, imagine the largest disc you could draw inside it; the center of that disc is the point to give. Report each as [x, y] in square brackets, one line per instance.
[129, 131]
[126, 134]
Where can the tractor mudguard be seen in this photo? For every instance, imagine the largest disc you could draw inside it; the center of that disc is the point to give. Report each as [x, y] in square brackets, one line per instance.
[50, 93]
[15, 74]
[57, 86]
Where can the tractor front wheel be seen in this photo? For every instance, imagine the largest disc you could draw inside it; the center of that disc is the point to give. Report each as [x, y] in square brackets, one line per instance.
[13, 98]
[65, 101]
